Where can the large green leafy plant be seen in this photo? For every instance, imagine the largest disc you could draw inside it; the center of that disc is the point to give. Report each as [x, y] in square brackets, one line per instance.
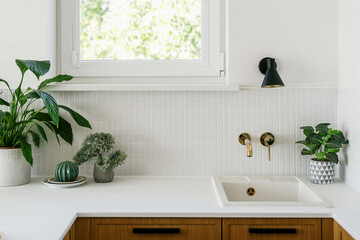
[323, 142]
[22, 118]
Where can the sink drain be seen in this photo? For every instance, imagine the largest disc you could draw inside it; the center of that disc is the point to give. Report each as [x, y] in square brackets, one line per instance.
[250, 191]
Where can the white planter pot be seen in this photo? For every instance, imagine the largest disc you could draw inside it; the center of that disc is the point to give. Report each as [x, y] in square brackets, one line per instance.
[14, 170]
[321, 172]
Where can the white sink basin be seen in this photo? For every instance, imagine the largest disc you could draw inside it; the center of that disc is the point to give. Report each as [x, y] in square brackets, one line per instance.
[265, 192]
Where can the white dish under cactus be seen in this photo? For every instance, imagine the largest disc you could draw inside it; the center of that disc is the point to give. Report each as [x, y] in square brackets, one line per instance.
[47, 182]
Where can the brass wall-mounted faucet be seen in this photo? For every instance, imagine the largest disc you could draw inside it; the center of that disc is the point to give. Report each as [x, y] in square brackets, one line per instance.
[245, 139]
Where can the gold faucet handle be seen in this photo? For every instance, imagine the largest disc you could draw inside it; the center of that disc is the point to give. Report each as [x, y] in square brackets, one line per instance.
[267, 139]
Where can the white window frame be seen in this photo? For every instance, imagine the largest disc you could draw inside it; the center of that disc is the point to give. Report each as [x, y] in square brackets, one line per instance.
[141, 71]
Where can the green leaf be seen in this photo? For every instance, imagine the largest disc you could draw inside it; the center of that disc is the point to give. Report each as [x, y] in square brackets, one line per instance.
[41, 116]
[50, 104]
[46, 120]
[39, 68]
[3, 102]
[326, 139]
[302, 142]
[52, 127]
[59, 78]
[32, 94]
[2, 80]
[23, 68]
[332, 157]
[333, 144]
[322, 128]
[305, 152]
[12, 108]
[346, 142]
[80, 120]
[333, 150]
[65, 131]
[314, 147]
[26, 150]
[41, 131]
[314, 138]
[334, 132]
[35, 138]
[339, 137]
[307, 130]
[320, 155]
[2, 114]
[18, 92]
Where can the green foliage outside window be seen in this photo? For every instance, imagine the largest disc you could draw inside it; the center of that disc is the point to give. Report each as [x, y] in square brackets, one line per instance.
[140, 29]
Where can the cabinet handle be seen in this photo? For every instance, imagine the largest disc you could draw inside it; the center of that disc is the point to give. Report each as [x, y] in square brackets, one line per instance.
[156, 230]
[272, 230]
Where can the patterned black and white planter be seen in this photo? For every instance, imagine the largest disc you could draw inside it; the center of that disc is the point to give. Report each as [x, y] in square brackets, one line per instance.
[321, 172]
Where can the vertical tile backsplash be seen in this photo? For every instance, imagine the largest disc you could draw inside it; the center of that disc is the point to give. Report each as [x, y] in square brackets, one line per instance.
[348, 121]
[195, 133]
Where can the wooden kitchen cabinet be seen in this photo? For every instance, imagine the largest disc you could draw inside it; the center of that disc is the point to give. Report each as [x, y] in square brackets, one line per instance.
[340, 233]
[206, 228]
[272, 229]
[155, 228]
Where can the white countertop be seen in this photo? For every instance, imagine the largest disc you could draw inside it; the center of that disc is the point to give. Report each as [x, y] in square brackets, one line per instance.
[35, 211]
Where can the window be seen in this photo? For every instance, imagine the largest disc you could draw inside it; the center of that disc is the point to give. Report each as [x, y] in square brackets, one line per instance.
[140, 38]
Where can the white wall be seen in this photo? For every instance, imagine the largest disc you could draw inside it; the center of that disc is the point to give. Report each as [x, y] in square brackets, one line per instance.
[349, 92]
[349, 47]
[302, 35]
[24, 28]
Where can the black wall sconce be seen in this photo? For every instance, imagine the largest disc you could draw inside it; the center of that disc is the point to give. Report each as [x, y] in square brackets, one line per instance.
[267, 66]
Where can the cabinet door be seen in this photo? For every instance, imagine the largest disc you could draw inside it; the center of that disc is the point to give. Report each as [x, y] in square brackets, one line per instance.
[271, 229]
[340, 233]
[155, 228]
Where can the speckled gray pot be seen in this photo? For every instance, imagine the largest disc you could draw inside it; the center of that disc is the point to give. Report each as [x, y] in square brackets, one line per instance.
[104, 176]
[14, 170]
[321, 172]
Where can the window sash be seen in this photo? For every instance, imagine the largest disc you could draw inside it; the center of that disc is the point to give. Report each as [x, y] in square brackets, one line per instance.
[69, 54]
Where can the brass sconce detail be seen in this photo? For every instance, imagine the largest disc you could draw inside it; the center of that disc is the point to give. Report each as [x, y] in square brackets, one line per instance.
[267, 139]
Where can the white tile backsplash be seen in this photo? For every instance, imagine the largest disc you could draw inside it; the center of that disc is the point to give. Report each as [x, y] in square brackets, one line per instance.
[195, 133]
[349, 122]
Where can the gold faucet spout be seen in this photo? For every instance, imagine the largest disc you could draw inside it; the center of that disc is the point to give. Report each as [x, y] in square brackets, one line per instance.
[245, 139]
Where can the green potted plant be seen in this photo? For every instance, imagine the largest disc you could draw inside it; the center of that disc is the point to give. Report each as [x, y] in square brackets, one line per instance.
[96, 146]
[23, 121]
[324, 143]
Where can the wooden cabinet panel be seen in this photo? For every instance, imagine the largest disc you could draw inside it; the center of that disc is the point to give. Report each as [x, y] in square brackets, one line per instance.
[340, 233]
[271, 229]
[81, 229]
[155, 228]
[68, 235]
[327, 229]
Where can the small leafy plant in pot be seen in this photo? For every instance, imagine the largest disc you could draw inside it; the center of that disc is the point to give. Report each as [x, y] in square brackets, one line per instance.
[324, 143]
[96, 146]
[23, 120]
